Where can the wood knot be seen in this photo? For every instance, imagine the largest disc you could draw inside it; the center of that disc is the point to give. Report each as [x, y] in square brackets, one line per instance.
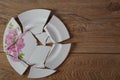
[114, 6]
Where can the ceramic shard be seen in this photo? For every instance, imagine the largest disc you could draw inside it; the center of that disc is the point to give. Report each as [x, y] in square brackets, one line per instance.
[35, 18]
[57, 55]
[56, 30]
[30, 45]
[39, 55]
[12, 28]
[20, 67]
[40, 73]
[43, 38]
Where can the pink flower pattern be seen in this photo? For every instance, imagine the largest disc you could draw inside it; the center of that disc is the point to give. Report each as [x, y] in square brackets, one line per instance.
[15, 50]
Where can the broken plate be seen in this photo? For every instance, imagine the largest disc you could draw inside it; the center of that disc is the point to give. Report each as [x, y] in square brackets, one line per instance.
[57, 55]
[13, 28]
[40, 73]
[56, 30]
[35, 18]
[24, 47]
[39, 55]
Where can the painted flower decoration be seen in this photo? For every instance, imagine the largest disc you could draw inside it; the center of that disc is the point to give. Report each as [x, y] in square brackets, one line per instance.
[14, 43]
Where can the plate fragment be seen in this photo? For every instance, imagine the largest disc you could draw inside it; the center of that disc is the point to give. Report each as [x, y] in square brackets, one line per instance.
[43, 38]
[40, 73]
[11, 26]
[57, 55]
[56, 30]
[30, 45]
[39, 55]
[19, 67]
[35, 18]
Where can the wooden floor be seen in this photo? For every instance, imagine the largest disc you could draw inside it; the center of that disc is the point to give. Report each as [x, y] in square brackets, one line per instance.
[94, 26]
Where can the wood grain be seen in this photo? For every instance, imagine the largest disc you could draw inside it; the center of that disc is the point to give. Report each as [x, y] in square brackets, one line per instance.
[94, 26]
[78, 67]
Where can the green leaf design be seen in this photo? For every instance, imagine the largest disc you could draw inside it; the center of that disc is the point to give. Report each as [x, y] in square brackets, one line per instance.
[11, 25]
[21, 56]
[5, 46]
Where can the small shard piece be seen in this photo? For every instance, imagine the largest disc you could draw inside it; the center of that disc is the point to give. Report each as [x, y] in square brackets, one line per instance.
[43, 38]
[36, 29]
[49, 40]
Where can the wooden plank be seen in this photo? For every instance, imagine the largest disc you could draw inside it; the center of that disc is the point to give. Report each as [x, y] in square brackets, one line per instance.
[90, 33]
[93, 38]
[76, 67]
[94, 27]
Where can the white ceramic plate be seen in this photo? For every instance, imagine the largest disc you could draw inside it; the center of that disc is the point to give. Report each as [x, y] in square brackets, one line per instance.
[35, 18]
[40, 56]
[19, 67]
[57, 55]
[40, 73]
[56, 30]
